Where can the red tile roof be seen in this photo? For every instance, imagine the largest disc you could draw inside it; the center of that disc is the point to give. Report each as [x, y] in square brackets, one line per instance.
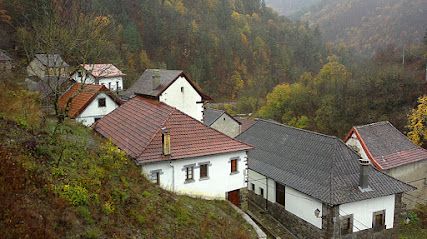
[386, 146]
[83, 99]
[136, 127]
[103, 70]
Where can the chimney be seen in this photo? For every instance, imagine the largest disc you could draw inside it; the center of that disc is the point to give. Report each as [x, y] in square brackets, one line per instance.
[166, 143]
[364, 174]
[156, 79]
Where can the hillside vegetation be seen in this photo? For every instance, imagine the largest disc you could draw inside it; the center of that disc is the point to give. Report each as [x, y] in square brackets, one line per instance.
[229, 48]
[370, 24]
[62, 181]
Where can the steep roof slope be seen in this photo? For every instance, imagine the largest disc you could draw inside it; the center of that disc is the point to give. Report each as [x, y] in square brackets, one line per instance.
[53, 60]
[386, 146]
[144, 85]
[137, 125]
[211, 115]
[315, 164]
[83, 99]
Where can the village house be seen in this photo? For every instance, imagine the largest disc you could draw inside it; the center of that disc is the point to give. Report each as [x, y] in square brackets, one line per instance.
[90, 102]
[5, 61]
[393, 153]
[225, 123]
[47, 65]
[172, 87]
[99, 74]
[176, 151]
[317, 187]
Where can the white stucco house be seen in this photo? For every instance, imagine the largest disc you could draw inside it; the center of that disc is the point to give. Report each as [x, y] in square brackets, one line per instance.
[176, 151]
[172, 87]
[393, 153]
[88, 103]
[222, 121]
[99, 74]
[317, 187]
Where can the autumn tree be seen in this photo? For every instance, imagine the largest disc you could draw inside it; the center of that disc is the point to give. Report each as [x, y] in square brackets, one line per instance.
[79, 39]
[417, 120]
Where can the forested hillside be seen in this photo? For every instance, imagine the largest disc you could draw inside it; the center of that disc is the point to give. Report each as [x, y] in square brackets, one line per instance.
[289, 7]
[224, 46]
[370, 24]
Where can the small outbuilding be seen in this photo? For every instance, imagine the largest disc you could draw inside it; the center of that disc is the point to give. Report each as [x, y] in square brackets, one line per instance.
[392, 152]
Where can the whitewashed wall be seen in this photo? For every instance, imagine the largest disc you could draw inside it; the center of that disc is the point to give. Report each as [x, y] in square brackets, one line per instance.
[90, 79]
[297, 203]
[85, 78]
[363, 211]
[114, 81]
[227, 125]
[353, 141]
[185, 101]
[92, 111]
[220, 179]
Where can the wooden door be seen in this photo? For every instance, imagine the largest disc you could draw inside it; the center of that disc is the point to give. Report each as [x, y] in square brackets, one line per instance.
[233, 197]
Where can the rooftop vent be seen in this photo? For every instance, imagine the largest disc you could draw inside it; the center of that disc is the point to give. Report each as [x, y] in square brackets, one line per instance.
[364, 174]
[156, 79]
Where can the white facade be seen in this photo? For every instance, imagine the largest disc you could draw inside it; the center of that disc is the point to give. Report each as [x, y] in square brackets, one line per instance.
[181, 95]
[354, 142]
[94, 111]
[227, 125]
[363, 211]
[297, 203]
[303, 206]
[112, 83]
[220, 179]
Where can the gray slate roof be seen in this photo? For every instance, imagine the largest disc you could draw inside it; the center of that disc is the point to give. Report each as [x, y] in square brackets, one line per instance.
[47, 83]
[318, 165]
[211, 115]
[144, 85]
[53, 60]
[388, 147]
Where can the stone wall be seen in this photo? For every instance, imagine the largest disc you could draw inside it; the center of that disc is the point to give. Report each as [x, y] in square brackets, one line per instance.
[303, 229]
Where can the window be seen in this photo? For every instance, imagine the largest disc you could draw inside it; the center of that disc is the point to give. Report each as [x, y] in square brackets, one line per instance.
[109, 85]
[261, 191]
[189, 174]
[347, 224]
[280, 194]
[203, 171]
[117, 85]
[96, 119]
[253, 187]
[101, 102]
[155, 178]
[234, 165]
[182, 89]
[378, 220]
[79, 73]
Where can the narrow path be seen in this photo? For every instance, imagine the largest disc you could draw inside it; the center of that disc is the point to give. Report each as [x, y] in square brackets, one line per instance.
[269, 223]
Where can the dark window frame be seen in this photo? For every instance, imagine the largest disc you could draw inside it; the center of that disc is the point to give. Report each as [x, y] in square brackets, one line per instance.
[253, 187]
[102, 102]
[280, 194]
[378, 225]
[204, 171]
[261, 191]
[189, 173]
[346, 224]
[233, 165]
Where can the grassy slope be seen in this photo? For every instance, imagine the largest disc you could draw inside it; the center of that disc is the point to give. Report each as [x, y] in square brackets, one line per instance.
[72, 184]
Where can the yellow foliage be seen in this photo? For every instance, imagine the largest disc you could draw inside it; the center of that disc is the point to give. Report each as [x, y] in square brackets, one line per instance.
[194, 26]
[418, 122]
[144, 60]
[244, 39]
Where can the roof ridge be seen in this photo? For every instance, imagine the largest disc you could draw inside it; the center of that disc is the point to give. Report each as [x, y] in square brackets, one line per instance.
[373, 123]
[299, 129]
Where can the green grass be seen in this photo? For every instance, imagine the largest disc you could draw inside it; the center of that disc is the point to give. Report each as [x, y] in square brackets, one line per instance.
[76, 184]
